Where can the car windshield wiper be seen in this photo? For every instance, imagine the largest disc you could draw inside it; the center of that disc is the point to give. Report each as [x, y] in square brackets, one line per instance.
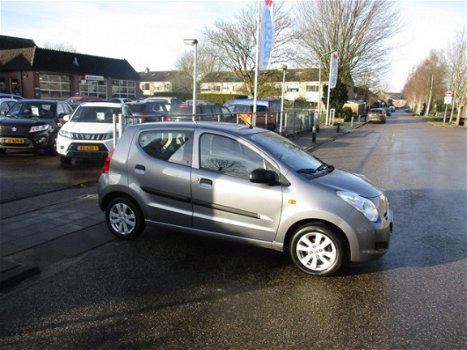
[306, 171]
[327, 167]
[322, 167]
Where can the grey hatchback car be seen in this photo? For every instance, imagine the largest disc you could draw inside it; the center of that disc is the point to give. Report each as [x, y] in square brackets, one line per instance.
[244, 184]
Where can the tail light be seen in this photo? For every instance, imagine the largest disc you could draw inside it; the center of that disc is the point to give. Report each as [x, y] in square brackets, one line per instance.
[106, 167]
[166, 119]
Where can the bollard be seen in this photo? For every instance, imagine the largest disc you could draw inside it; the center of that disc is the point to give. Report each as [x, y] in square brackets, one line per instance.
[313, 134]
[338, 127]
[351, 122]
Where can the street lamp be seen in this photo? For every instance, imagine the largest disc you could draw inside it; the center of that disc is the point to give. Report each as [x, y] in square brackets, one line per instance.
[194, 43]
[284, 69]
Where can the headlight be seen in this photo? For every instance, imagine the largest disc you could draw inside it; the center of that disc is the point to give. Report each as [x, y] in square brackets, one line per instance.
[39, 128]
[64, 133]
[360, 203]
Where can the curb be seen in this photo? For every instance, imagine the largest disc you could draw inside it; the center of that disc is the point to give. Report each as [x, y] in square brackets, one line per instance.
[16, 274]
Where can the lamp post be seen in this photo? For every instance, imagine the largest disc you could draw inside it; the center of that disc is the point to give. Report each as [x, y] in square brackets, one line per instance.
[194, 43]
[284, 69]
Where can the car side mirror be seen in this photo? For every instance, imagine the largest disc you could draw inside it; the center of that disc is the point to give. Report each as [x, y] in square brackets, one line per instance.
[263, 176]
[66, 117]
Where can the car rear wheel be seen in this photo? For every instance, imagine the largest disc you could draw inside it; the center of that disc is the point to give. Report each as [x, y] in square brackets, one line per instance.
[124, 218]
[316, 250]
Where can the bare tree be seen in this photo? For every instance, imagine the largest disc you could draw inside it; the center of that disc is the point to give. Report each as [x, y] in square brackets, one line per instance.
[233, 45]
[457, 70]
[426, 83]
[59, 47]
[357, 29]
[185, 65]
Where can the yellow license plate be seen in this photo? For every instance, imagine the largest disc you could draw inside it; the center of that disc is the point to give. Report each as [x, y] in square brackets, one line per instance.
[14, 140]
[88, 148]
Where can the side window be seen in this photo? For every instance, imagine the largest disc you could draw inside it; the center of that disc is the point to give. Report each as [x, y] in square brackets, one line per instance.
[60, 109]
[172, 146]
[227, 156]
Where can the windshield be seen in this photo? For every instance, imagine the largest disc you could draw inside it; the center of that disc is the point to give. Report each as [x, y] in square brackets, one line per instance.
[33, 110]
[287, 152]
[95, 114]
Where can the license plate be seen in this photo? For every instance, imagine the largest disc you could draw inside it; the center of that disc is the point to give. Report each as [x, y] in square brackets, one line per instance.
[13, 140]
[88, 148]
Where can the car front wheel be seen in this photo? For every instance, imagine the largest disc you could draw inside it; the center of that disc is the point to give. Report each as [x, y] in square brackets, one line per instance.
[124, 218]
[316, 250]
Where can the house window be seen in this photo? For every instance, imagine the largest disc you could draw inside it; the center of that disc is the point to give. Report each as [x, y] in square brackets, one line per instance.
[123, 88]
[145, 86]
[55, 86]
[312, 88]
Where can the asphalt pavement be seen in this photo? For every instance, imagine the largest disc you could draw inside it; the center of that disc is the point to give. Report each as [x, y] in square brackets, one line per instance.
[43, 231]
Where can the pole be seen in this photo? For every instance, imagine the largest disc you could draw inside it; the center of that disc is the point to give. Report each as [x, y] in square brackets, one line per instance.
[255, 92]
[327, 103]
[195, 73]
[319, 91]
[284, 68]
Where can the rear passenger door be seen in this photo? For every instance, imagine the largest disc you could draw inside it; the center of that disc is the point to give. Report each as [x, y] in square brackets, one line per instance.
[159, 166]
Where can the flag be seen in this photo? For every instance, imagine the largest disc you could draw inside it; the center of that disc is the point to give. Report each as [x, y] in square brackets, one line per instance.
[266, 36]
[334, 65]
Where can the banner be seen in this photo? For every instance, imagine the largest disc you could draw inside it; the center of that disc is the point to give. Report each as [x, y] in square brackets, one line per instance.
[334, 64]
[266, 36]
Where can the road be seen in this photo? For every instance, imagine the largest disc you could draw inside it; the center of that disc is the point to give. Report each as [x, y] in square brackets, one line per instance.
[25, 174]
[172, 291]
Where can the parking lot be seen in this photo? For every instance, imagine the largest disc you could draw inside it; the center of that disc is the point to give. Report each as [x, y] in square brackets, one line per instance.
[176, 291]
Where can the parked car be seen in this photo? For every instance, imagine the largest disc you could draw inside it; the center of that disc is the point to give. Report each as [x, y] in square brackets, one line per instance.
[205, 111]
[5, 105]
[148, 110]
[13, 96]
[88, 132]
[266, 111]
[170, 101]
[75, 101]
[120, 100]
[32, 124]
[377, 115]
[243, 184]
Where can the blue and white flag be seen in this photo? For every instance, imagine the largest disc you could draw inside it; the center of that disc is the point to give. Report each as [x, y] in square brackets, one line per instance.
[266, 37]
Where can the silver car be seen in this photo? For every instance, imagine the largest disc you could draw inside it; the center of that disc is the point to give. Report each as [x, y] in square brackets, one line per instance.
[243, 184]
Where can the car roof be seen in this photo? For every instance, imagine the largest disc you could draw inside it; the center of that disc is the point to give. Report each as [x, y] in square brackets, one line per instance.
[101, 104]
[36, 100]
[229, 128]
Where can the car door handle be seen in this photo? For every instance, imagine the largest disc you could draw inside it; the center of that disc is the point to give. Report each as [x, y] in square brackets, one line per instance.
[140, 169]
[205, 182]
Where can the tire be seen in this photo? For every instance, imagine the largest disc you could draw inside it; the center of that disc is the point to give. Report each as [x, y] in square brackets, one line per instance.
[65, 160]
[2, 150]
[52, 146]
[316, 250]
[124, 218]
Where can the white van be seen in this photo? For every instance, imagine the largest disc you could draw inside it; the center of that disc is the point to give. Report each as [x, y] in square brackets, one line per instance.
[88, 132]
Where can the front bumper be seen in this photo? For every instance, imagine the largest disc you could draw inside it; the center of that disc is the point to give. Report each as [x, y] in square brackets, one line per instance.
[27, 141]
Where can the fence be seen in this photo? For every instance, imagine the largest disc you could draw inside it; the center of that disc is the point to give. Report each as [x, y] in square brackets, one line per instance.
[287, 123]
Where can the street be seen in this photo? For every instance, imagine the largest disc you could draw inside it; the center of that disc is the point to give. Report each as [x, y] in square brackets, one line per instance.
[174, 291]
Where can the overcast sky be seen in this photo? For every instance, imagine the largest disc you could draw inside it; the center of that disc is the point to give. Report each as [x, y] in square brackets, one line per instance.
[150, 33]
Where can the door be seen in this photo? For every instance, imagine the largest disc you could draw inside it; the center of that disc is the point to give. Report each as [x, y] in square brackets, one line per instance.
[159, 166]
[224, 200]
